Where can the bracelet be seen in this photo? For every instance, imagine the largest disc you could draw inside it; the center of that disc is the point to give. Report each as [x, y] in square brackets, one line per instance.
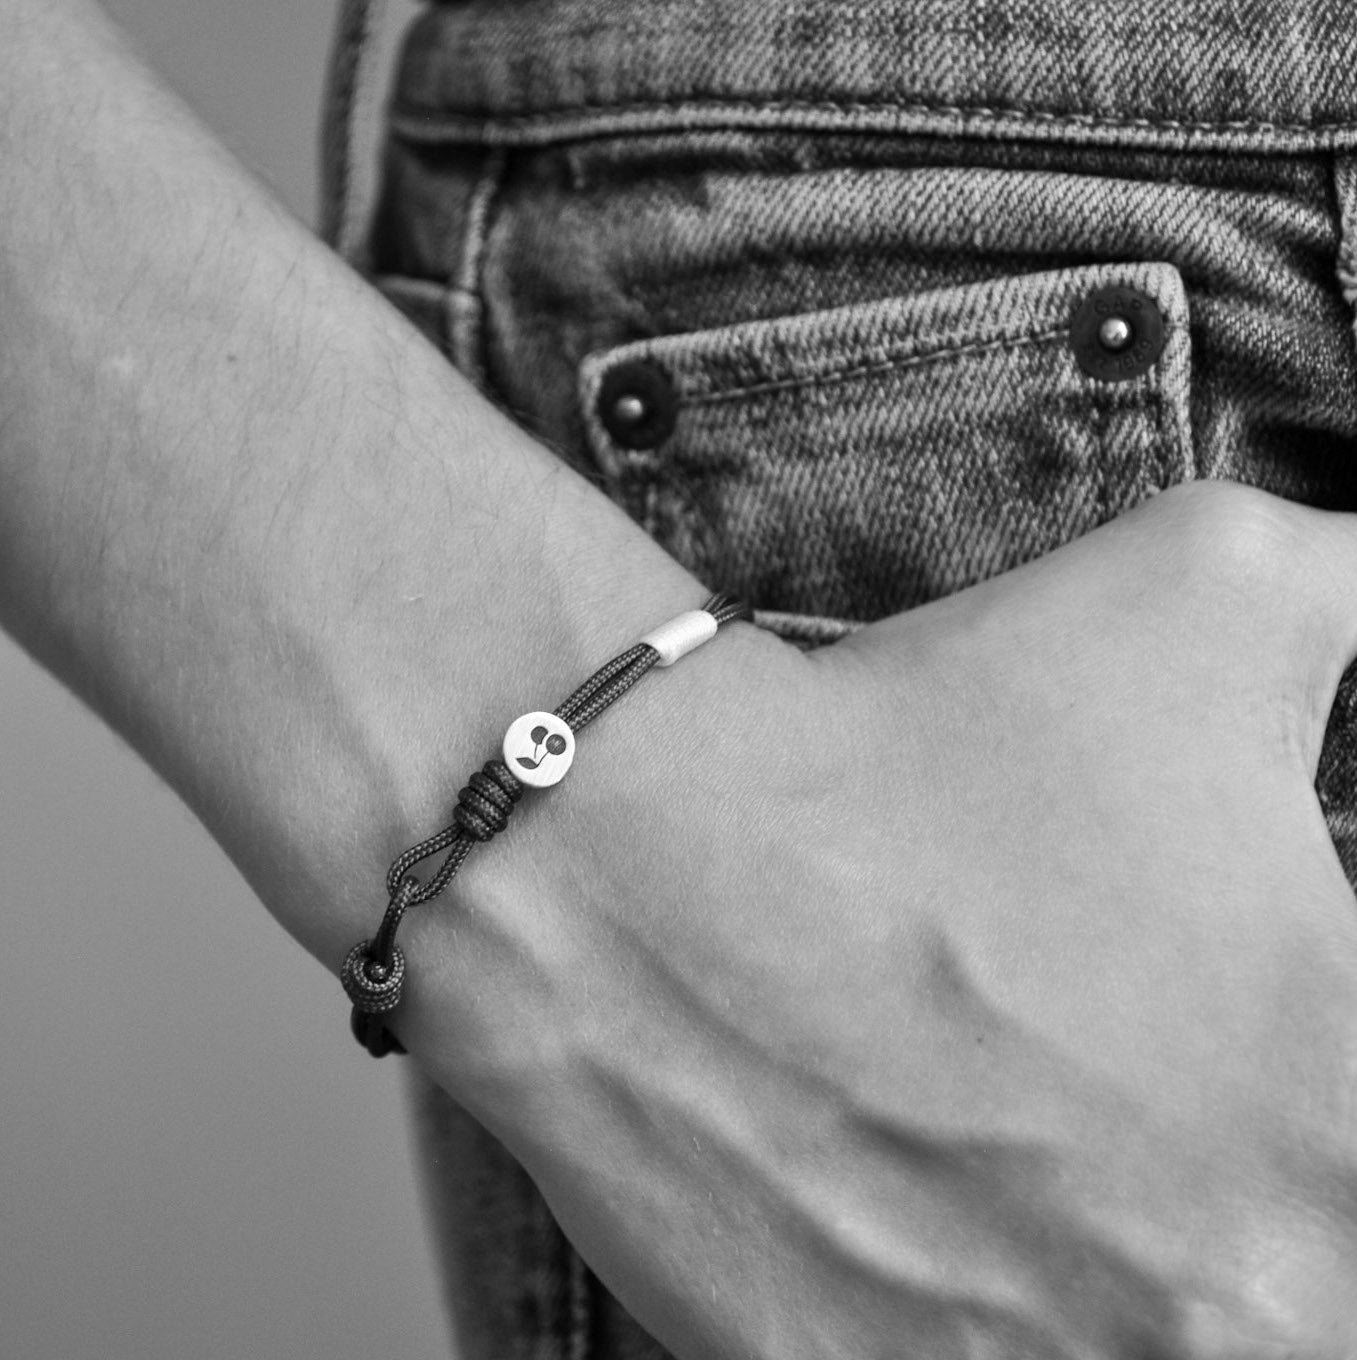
[538, 749]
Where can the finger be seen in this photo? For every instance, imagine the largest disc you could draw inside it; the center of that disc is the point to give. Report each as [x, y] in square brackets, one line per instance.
[1256, 594]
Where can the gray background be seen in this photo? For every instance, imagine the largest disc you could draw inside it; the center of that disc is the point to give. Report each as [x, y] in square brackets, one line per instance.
[196, 1161]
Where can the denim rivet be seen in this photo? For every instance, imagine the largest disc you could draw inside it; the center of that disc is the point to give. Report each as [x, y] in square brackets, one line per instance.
[1117, 333]
[637, 404]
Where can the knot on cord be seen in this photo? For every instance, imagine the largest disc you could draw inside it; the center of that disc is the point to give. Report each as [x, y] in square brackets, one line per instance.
[374, 971]
[483, 807]
[374, 987]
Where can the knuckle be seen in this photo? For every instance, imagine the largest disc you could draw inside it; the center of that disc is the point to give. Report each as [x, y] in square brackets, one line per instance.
[1272, 573]
[1231, 533]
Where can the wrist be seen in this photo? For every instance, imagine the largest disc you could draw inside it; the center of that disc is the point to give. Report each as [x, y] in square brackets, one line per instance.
[399, 678]
[505, 969]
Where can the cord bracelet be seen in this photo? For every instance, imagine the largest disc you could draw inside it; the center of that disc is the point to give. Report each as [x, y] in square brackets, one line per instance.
[537, 752]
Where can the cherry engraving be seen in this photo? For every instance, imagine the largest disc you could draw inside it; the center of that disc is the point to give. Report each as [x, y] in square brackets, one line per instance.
[555, 746]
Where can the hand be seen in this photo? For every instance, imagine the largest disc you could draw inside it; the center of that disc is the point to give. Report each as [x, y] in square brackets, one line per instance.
[984, 985]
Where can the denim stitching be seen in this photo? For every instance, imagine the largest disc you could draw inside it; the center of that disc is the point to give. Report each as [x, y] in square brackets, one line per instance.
[421, 124]
[650, 515]
[352, 71]
[699, 547]
[1101, 413]
[1158, 398]
[1344, 186]
[896, 362]
[581, 1310]
[466, 299]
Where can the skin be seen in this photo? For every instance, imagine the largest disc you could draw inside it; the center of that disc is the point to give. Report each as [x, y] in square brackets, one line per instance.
[983, 986]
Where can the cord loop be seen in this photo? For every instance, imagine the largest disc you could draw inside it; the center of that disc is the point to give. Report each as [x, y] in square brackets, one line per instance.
[373, 973]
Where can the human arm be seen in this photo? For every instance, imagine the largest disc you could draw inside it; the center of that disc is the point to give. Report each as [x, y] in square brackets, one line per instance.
[505, 970]
[225, 458]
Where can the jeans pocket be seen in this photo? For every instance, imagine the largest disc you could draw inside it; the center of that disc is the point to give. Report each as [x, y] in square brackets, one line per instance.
[854, 462]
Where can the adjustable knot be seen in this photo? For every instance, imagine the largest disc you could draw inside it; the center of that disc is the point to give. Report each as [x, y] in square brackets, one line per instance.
[374, 987]
[483, 807]
[537, 751]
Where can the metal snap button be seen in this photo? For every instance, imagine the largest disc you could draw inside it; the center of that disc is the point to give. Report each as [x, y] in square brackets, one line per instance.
[1117, 334]
[638, 405]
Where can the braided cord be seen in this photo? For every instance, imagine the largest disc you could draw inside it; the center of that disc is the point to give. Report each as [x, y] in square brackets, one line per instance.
[374, 971]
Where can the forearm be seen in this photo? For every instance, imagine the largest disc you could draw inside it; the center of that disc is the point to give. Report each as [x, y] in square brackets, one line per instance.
[246, 512]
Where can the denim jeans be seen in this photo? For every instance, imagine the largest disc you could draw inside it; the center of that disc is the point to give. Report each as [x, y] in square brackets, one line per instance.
[836, 253]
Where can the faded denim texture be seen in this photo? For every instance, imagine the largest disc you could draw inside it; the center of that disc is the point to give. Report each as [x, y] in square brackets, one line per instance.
[851, 236]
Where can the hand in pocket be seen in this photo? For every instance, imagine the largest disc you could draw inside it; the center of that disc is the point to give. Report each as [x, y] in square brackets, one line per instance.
[985, 984]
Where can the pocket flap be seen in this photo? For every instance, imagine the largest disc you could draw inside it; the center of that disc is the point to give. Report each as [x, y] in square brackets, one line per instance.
[859, 460]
